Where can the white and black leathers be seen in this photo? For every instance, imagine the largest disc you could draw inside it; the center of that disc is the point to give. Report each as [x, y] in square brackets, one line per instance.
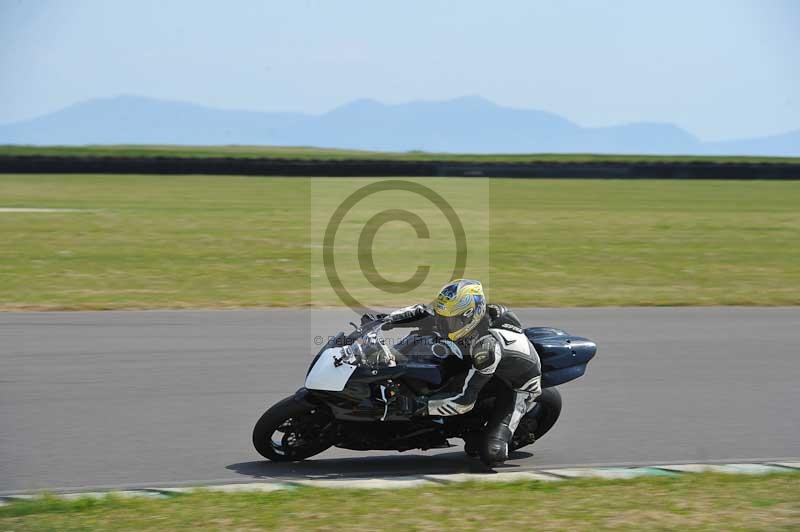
[497, 348]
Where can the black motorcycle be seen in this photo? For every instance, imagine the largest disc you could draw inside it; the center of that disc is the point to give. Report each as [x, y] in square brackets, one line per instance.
[361, 393]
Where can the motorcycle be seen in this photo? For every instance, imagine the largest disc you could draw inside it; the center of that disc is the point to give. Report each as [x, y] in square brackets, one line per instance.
[362, 393]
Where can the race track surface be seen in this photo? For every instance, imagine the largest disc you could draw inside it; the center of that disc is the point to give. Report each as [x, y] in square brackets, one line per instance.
[111, 399]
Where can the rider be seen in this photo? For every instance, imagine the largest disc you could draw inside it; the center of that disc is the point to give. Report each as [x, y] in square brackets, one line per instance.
[491, 338]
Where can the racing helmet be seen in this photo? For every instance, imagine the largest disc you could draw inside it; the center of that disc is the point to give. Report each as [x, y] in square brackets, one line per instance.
[459, 307]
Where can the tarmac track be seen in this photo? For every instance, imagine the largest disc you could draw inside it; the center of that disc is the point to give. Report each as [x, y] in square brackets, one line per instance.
[131, 399]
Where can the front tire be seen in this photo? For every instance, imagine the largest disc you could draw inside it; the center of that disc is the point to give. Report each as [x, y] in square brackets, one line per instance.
[292, 430]
[539, 420]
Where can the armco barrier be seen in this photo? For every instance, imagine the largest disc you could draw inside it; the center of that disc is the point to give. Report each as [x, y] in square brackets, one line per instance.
[368, 167]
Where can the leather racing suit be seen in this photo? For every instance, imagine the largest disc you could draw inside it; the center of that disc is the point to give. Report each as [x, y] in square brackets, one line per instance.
[496, 348]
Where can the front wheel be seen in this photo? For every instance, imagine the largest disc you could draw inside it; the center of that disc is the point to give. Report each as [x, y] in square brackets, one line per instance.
[291, 430]
[539, 420]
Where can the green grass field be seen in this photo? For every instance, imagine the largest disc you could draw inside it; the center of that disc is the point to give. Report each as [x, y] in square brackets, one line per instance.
[222, 241]
[299, 152]
[690, 502]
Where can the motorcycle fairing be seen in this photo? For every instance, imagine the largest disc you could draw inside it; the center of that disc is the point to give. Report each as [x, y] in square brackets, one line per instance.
[329, 372]
[564, 357]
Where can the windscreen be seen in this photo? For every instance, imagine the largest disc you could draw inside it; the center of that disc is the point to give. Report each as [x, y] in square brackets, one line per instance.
[373, 347]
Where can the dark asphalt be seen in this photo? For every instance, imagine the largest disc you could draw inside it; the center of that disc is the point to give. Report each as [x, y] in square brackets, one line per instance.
[109, 399]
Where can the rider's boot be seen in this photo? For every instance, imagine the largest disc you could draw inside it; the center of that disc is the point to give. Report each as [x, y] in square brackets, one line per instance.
[494, 450]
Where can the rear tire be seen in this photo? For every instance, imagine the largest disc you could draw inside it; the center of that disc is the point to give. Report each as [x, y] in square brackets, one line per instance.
[291, 431]
[539, 420]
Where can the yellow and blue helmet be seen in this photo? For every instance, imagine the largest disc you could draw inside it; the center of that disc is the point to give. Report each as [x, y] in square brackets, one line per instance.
[459, 307]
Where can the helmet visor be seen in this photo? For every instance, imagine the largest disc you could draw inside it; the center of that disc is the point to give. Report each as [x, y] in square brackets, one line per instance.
[451, 324]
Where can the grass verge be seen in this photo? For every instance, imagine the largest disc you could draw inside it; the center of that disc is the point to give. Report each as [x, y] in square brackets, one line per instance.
[227, 241]
[687, 502]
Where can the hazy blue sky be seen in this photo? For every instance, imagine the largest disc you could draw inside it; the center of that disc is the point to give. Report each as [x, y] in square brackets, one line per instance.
[721, 69]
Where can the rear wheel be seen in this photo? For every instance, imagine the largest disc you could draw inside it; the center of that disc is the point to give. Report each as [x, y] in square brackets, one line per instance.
[539, 420]
[291, 431]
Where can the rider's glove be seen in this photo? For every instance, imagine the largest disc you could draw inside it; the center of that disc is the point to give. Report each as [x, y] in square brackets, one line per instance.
[420, 406]
[407, 314]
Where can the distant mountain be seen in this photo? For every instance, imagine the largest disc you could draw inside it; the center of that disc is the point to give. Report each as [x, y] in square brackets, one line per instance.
[784, 145]
[136, 120]
[469, 124]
